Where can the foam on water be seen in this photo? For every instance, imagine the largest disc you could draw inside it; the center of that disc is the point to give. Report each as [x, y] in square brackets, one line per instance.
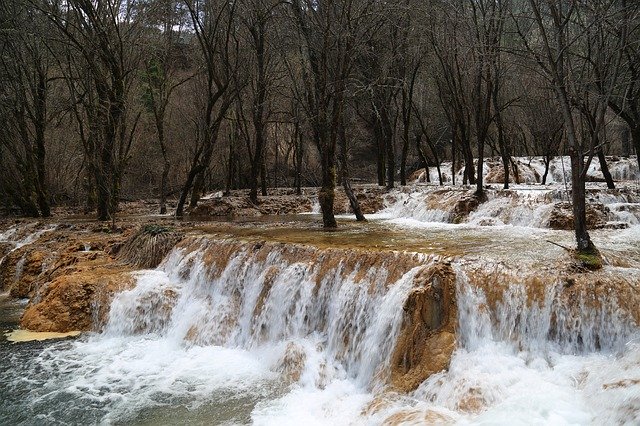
[507, 371]
[280, 339]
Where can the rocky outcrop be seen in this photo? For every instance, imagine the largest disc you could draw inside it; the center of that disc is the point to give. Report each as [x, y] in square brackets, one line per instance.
[69, 274]
[77, 300]
[523, 174]
[465, 205]
[427, 339]
[562, 216]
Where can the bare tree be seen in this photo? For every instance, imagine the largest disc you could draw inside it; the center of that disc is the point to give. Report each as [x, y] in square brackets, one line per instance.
[328, 40]
[215, 32]
[100, 63]
[575, 66]
[162, 75]
[25, 66]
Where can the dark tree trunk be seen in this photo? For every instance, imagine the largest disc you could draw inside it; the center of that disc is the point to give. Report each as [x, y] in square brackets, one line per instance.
[505, 153]
[380, 145]
[197, 190]
[104, 183]
[390, 150]
[346, 182]
[299, 156]
[326, 196]
[231, 172]
[185, 190]
[605, 170]
[423, 158]
[163, 187]
[453, 159]
[635, 139]
[403, 159]
[263, 177]
[40, 123]
[547, 162]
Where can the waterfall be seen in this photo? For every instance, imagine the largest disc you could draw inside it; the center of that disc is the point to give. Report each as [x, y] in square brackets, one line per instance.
[257, 298]
[530, 206]
[271, 333]
[579, 323]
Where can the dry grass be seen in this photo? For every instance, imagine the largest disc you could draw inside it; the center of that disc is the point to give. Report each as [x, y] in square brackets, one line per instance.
[147, 247]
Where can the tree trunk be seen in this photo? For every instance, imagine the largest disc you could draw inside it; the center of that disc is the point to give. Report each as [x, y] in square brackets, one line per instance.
[40, 123]
[263, 176]
[326, 196]
[453, 159]
[635, 139]
[231, 172]
[185, 191]
[346, 182]
[198, 188]
[505, 153]
[377, 135]
[163, 187]
[421, 156]
[299, 156]
[403, 159]
[578, 191]
[103, 182]
[547, 162]
[605, 170]
[480, 179]
[390, 151]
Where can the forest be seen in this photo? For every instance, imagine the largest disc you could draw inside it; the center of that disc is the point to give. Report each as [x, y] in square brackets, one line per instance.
[110, 100]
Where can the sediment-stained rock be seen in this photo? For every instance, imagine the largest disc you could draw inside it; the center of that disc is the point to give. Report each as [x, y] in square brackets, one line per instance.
[74, 301]
[562, 216]
[427, 339]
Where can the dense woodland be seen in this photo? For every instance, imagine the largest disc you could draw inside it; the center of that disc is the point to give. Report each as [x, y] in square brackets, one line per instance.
[107, 100]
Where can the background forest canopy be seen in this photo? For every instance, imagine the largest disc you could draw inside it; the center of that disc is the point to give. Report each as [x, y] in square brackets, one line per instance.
[111, 100]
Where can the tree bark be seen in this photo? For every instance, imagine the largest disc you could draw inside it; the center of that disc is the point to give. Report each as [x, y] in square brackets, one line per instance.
[346, 181]
[605, 170]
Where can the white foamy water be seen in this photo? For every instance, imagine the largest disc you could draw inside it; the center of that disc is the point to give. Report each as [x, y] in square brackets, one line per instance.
[522, 205]
[280, 339]
[18, 238]
[509, 370]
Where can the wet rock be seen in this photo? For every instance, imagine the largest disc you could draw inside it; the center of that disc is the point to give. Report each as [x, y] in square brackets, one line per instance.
[427, 339]
[419, 176]
[417, 417]
[465, 205]
[21, 270]
[282, 201]
[224, 207]
[292, 363]
[72, 302]
[472, 401]
[562, 216]
[67, 275]
[5, 248]
[525, 174]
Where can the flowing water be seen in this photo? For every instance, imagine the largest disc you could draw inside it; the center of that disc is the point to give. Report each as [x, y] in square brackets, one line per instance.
[263, 324]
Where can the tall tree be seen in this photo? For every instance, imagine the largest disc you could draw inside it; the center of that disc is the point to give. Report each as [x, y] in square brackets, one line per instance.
[576, 68]
[214, 24]
[328, 38]
[99, 65]
[25, 67]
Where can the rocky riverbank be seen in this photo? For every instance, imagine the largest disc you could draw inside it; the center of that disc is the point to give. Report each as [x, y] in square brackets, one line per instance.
[72, 273]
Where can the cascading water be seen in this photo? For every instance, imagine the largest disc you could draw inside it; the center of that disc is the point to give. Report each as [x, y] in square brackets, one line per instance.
[269, 333]
[522, 206]
[532, 363]
[352, 317]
